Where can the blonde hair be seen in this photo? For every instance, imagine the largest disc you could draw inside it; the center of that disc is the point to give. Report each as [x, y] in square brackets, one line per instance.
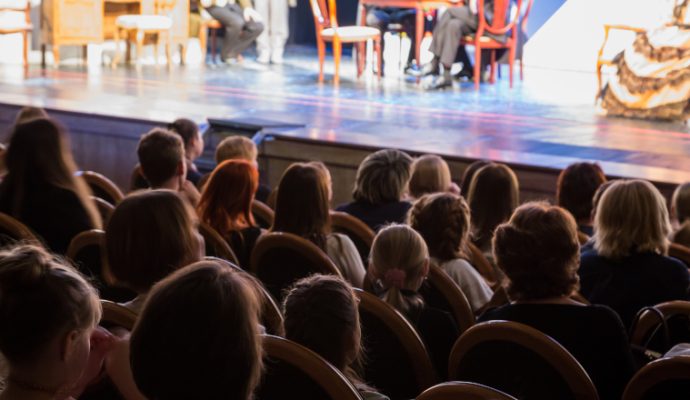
[680, 203]
[631, 217]
[236, 147]
[430, 174]
[398, 259]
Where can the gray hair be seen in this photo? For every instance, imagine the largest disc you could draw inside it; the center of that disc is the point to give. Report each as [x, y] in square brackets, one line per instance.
[382, 177]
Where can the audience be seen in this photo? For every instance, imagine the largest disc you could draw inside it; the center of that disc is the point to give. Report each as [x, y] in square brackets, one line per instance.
[628, 269]
[30, 113]
[241, 148]
[40, 188]
[162, 160]
[443, 220]
[575, 191]
[151, 234]
[680, 210]
[538, 251]
[468, 174]
[198, 336]
[193, 145]
[48, 313]
[321, 314]
[430, 174]
[399, 263]
[226, 206]
[304, 193]
[493, 195]
[381, 181]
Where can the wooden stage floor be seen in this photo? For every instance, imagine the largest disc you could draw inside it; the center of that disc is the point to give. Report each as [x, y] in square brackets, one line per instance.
[547, 121]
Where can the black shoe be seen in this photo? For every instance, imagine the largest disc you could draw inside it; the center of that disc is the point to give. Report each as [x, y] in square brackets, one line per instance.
[426, 70]
[464, 73]
[440, 82]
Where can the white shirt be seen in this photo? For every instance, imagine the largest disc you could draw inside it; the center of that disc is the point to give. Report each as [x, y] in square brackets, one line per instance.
[472, 284]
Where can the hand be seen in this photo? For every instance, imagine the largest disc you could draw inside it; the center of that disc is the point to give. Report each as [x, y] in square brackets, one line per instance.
[251, 14]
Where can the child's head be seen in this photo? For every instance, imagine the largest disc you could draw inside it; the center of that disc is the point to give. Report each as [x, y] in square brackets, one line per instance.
[198, 336]
[47, 314]
[443, 220]
[150, 234]
[302, 204]
[236, 148]
[161, 157]
[430, 174]
[191, 137]
[680, 203]
[321, 314]
[226, 202]
[399, 260]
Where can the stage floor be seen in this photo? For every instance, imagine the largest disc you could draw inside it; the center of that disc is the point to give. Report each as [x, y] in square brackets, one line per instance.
[549, 120]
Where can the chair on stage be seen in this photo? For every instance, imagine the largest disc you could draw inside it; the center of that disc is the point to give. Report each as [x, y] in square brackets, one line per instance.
[328, 30]
[208, 24]
[23, 27]
[503, 25]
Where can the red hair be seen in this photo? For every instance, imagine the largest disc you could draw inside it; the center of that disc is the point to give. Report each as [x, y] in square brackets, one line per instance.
[226, 202]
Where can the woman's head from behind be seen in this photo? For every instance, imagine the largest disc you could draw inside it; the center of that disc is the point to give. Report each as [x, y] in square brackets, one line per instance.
[494, 194]
[631, 217]
[539, 252]
[680, 203]
[191, 138]
[47, 314]
[382, 177]
[576, 187]
[302, 204]
[443, 220]
[430, 174]
[321, 314]
[151, 234]
[399, 260]
[198, 336]
[226, 202]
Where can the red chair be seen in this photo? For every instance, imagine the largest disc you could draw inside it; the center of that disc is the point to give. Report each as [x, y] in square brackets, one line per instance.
[327, 30]
[498, 27]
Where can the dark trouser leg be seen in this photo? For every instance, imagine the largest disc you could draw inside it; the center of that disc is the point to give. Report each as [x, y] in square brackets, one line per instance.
[249, 33]
[232, 21]
[379, 18]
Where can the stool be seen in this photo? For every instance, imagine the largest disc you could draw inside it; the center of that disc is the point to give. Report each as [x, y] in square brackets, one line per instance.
[213, 25]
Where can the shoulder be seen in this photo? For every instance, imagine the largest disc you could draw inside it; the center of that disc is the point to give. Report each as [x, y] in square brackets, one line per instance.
[495, 313]
[340, 241]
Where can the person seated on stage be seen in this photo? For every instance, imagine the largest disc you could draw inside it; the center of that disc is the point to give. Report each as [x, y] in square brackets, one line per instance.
[162, 160]
[241, 22]
[383, 17]
[575, 190]
[538, 251]
[680, 211]
[193, 145]
[652, 80]
[430, 174]
[381, 181]
[240, 148]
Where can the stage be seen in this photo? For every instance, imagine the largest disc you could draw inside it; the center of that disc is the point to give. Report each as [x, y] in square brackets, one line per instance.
[541, 125]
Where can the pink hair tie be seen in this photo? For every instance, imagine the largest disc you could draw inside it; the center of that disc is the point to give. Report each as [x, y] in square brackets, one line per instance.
[395, 278]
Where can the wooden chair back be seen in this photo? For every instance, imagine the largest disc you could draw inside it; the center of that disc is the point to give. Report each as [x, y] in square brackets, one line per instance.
[463, 391]
[324, 15]
[519, 360]
[398, 363]
[483, 266]
[263, 215]
[501, 20]
[359, 232]
[101, 186]
[12, 230]
[666, 378]
[117, 315]
[440, 291]
[649, 322]
[271, 316]
[216, 245]
[105, 209]
[279, 259]
[295, 372]
[680, 252]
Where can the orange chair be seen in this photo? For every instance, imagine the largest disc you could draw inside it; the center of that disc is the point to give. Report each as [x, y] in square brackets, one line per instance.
[481, 41]
[327, 30]
[24, 27]
[213, 26]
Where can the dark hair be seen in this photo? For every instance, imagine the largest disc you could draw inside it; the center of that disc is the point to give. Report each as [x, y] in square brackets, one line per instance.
[539, 252]
[443, 220]
[302, 203]
[186, 128]
[576, 187]
[39, 156]
[382, 177]
[150, 234]
[198, 336]
[41, 297]
[494, 194]
[468, 174]
[160, 154]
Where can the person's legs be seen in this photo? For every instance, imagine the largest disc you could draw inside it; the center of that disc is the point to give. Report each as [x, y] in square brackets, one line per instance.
[279, 28]
[263, 42]
[232, 22]
[250, 31]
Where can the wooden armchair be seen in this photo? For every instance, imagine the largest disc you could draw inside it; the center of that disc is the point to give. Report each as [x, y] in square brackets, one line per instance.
[11, 230]
[105, 209]
[279, 259]
[102, 187]
[600, 56]
[680, 252]
[441, 292]
[23, 27]
[359, 232]
[666, 378]
[519, 360]
[328, 30]
[263, 215]
[463, 391]
[398, 363]
[649, 322]
[482, 265]
[216, 245]
[116, 315]
[295, 372]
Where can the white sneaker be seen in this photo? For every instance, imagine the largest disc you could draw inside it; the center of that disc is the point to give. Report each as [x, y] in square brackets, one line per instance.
[264, 57]
[277, 57]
